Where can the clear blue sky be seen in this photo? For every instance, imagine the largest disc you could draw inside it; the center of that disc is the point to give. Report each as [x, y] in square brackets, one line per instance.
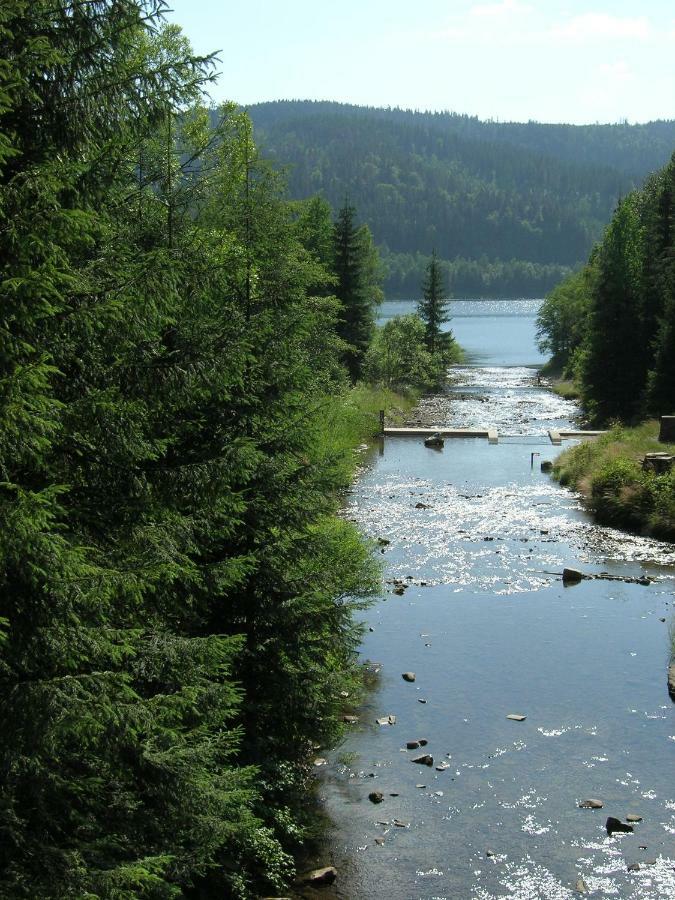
[575, 61]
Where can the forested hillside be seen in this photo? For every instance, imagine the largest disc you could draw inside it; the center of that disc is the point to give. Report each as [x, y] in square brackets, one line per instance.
[510, 208]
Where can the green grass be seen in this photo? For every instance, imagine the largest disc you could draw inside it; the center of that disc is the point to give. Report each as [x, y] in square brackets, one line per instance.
[608, 473]
[352, 418]
[566, 389]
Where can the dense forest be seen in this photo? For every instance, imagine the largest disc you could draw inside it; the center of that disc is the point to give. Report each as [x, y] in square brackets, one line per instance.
[611, 326]
[511, 208]
[178, 418]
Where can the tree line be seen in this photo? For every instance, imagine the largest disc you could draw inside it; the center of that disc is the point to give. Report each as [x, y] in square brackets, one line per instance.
[177, 591]
[524, 202]
[612, 325]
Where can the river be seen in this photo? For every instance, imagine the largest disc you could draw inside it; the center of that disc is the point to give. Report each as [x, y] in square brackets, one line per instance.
[477, 532]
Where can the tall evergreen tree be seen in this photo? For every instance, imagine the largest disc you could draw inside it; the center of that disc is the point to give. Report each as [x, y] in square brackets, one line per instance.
[660, 293]
[357, 288]
[614, 375]
[433, 308]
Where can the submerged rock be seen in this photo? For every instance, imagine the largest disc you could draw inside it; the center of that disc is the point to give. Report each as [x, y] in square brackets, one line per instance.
[386, 720]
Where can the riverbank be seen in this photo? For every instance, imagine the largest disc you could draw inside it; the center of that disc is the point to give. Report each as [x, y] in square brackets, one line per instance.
[608, 473]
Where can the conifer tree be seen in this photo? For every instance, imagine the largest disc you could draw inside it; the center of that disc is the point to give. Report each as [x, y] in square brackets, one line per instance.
[614, 374]
[660, 284]
[433, 308]
[357, 288]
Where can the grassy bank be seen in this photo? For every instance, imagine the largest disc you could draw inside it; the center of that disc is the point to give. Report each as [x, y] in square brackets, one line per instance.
[351, 419]
[566, 389]
[608, 473]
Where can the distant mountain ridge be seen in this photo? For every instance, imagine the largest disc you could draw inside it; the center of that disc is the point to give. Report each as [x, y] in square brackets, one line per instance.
[526, 201]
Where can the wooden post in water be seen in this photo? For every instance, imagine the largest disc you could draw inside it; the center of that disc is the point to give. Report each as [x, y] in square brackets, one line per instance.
[381, 421]
[667, 431]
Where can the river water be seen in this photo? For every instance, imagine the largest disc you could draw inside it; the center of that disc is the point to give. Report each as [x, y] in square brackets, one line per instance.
[489, 630]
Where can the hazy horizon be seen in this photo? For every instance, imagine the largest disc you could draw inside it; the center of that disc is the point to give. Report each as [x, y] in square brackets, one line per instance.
[449, 112]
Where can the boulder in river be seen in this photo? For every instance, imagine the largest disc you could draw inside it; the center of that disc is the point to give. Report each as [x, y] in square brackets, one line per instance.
[408, 676]
[615, 825]
[633, 817]
[413, 745]
[425, 760]
[350, 720]
[591, 804]
[571, 576]
[376, 796]
[516, 717]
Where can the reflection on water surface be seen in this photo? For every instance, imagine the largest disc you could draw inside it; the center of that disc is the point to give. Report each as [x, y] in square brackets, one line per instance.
[489, 630]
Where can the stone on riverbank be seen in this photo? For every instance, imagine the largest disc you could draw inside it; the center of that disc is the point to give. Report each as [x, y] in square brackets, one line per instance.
[326, 875]
[671, 681]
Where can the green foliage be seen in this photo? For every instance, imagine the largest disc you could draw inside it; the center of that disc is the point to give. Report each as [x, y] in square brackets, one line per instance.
[562, 319]
[399, 358]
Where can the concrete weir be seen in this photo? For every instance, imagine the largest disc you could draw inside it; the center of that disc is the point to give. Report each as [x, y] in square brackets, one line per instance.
[489, 433]
[557, 437]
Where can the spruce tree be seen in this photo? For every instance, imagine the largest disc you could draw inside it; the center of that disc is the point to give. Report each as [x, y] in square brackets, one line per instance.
[660, 265]
[614, 374]
[433, 308]
[357, 288]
